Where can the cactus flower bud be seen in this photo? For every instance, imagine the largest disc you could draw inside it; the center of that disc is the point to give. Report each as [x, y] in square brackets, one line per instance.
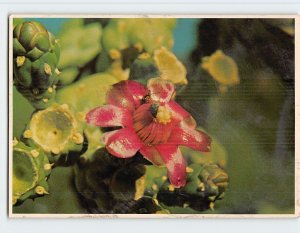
[36, 54]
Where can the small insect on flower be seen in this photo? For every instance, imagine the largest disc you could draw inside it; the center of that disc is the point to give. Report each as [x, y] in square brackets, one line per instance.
[152, 123]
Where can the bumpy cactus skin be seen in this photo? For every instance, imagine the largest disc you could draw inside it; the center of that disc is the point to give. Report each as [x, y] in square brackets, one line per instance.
[36, 54]
[109, 183]
[80, 44]
[205, 185]
[143, 34]
[31, 169]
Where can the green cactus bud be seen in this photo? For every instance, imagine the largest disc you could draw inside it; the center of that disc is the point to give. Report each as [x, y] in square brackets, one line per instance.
[56, 131]
[205, 185]
[36, 54]
[215, 180]
[31, 168]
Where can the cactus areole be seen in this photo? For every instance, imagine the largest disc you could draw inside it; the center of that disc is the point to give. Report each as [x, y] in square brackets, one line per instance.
[152, 123]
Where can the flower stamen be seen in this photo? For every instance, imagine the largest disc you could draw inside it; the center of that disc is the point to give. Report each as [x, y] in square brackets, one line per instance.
[163, 115]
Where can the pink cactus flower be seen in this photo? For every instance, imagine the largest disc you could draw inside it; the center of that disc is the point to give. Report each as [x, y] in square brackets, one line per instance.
[152, 123]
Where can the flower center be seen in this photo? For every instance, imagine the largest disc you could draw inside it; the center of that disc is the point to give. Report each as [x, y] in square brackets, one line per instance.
[163, 115]
[152, 123]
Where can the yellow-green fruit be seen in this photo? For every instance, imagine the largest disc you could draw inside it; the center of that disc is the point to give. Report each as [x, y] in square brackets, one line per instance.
[31, 168]
[55, 130]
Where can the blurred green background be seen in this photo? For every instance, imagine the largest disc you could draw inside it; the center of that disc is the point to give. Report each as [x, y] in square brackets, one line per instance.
[253, 121]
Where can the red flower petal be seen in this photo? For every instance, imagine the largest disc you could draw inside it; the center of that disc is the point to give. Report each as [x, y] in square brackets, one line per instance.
[160, 90]
[109, 116]
[180, 114]
[122, 143]
[137, 91]
[126, 94]
[192, 138]
[150, 153]
[175, 164]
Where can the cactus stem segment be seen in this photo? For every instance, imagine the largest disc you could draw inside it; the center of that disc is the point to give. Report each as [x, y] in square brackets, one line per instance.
[47, 69]
[34, 153]
[27, 133]
[20, 60]
[40, 190]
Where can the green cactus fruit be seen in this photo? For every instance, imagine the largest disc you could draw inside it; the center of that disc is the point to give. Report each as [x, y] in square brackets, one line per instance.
[36, 54]
[143, 68]
[217, 155]
[31, 169]
[56, 131]
[80, 44]
[155, 177]
[205, 185]
[215, 180]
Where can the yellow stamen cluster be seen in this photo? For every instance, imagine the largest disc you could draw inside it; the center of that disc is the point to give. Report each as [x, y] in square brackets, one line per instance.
[163, 115]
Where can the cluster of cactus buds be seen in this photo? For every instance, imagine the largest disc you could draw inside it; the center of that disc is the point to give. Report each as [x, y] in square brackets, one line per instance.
[36, 54]
[109, 183]
[205, 185]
